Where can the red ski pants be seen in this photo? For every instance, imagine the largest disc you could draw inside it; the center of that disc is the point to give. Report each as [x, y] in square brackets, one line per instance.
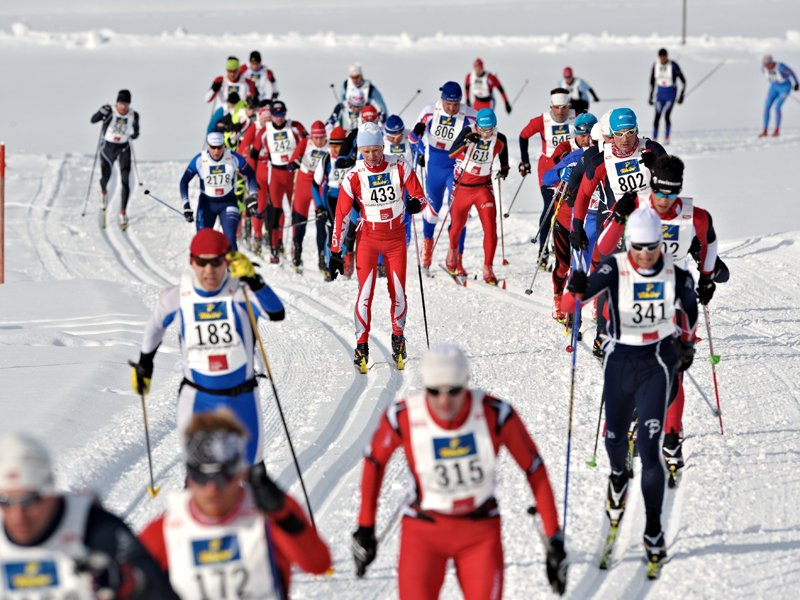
[675, 407]
[391, 243]
[274, 186]
[475, 547]
[302, 193]
[482, 198]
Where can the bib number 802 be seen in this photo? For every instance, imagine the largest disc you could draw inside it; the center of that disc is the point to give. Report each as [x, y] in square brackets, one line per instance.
[632, 182]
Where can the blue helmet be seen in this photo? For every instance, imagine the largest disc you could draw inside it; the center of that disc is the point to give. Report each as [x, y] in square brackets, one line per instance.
[451, 92]
[486, 119]
[622, 118]
[584, 122]
[394, 124]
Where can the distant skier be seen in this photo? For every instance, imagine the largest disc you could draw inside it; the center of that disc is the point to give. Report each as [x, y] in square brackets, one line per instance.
[781, 82]
[643, 288]
[451, 435]
[355, 84]
[664, 77]
[120, 125]
[232, 81]
[263, 79]
[479, 87]
[216, 339]
[579, 90]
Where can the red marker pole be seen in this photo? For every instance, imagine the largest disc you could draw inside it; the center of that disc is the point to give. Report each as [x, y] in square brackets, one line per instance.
[2, 213]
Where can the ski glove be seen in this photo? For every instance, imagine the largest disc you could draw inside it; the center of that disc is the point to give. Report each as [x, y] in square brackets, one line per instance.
[502, 173]
[685, 355]
[216, 86]
[472, 137]
[188, 214]
[648, 159]
[413, 205]
[578, 283]
[624, 207]
[336, 264]
[267, 495]
[105, 110]
[524, 168]
[104, 573]
[705, 289]
[142, 374]
[419, 129]
[365, 548]
[797, 87]
[508, 108]
[680, 98]
[321, 214]
[251, 201]
[421, 160]
[557, 564]
[577, 237]
[650, 101]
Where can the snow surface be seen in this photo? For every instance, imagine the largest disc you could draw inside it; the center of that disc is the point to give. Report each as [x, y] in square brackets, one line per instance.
[77, 297]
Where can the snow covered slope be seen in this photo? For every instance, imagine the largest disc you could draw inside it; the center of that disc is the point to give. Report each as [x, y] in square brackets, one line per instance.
[76, 298]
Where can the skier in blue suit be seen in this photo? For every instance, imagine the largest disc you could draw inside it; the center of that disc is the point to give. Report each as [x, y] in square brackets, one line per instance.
[781, 82]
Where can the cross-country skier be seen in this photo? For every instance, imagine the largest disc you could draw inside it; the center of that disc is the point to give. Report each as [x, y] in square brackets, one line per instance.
[782, 80]
[232, 532]
[437, 127]
[643, 288]
[216, 167]
[120, 125]
[327, 180]
[216, 339]
[451, 435]
[479, 87]
[476, 152]
[664, 77]
[263, 79]
[554, 126]
[64, 544]
[579, 90]
[356, 85]
[377, 185]
[232, 81]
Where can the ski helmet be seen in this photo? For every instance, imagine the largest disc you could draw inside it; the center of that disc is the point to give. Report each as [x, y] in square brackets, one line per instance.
[584, 122]
[667, 175]
[394, 124]
[643, 227]
[24, 464]
[451, 92]
[622, 118]
[369, 134]
[486, 119]
[444, 365]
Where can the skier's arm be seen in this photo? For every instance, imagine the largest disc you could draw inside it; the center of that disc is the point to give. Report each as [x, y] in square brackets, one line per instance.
[216, 86]
[502, 143]
[162, 316]
[459, 144]
[424, 118]
[266, 302]
[275, 90]
[494, 82]
[687, 298]
[334, 118]
[299, 150]
[246, 170]
[188, 175]
[102, 115]
[317, 185]
[590, 89]
[704, 231]
[467, 81]
[343, 206]
[603, 278]
[385, 441]
[410, 182]
[349, 144]
[591, 179]
[296, 540]
[376, 98]
[652, 82]
[534, 126]
[676, 70]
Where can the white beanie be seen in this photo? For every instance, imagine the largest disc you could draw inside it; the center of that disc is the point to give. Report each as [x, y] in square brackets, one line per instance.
[369, 134]
[24, 464]
[444, 365]
[355, 69]
[215, 138]
[605, 123]
[597, 133]
[644, 226]
[559, 99]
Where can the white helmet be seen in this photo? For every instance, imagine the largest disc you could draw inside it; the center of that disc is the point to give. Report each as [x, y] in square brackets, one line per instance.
[444, 365]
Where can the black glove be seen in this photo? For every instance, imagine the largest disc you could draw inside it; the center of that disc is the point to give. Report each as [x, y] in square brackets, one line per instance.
[472, 137]
[650, 101]
[413, 205]
[524, 168]
[557, 564]
[680, 98]
[421, 160]
[336, 264]
[364, 547]
[292, 166]
[685, 354]
[624, 207]
[105, 110]
[508, 108]
[705, 289]
[251, 202]
[321, 214]
[419, 129]
[104, 573]
[578, 283]
[267, 495]
[274, 96]
[188, 214]
[502, 173]
[648, 159]
[142, 373]
[216, 86]
[577, 237]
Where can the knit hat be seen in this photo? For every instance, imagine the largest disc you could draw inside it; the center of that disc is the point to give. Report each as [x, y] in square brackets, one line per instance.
[338, 135]
[355, 70]
[215, 138]
[278, 108]
[318, 128]
[369, 134]
[643, 227]
[667, 175]
[451, 92]
[369, 113]
[234, 98]
[209, 241]
[255, 56]
[24, 464]
[232, 64]
[124, 96]
[444, 365]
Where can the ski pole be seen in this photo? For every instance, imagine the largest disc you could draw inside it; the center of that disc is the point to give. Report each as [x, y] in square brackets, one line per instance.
[333, 91]
[151, 489]
[519, 93]
[514, 199]
[91, 175]
[135, 164]
[616, 100]
[421, 287]
[263, 352]
[575, 317]
[547, 219]
[470, 148]
[593, 461]
[502, 234]
[382, 535]
[703, 80]
[713, 359]
[172, 208]
[407, 104]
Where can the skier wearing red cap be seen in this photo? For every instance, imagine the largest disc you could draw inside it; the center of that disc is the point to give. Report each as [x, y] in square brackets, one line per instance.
[279, 140]
[479, 86]
[305, 158]
[579, 90]
[209, 308]
[451, 435]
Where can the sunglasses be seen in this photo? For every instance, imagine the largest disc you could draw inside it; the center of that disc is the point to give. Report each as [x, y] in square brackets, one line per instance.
[626, 134]
[22, 501]
[217, 261]
[667, 196]
[453, 391]
[216, 147]
[646, 247]
[221, 478]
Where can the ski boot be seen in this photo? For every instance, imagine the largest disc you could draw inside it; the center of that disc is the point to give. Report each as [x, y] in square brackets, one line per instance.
[348, 265]
[558, 314]
[255, 246]
[451, 261]
[545, 258]
[297, 261]
[123, 220]
[322, 263]
[281, 249]
[673, 456]
[427, 253]
[655, 549]
[361, 356]
[597, 349]
[460, 270]
[615, 497]
[275, 256]
[488, 275]
[764, 133]
[399, 351]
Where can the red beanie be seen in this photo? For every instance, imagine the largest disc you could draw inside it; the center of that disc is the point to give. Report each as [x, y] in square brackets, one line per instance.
[209, 241]
[318, 128]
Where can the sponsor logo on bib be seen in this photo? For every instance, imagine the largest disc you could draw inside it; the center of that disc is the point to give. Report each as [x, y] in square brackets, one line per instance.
[561, 129]
[628, 166]
[378, 180]
[648, 291]
[217, 362]
[216, 169]
[215, 550]
[454, 447]
[31, 575]
[280, 135]
[670, 232]
[211, 311]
